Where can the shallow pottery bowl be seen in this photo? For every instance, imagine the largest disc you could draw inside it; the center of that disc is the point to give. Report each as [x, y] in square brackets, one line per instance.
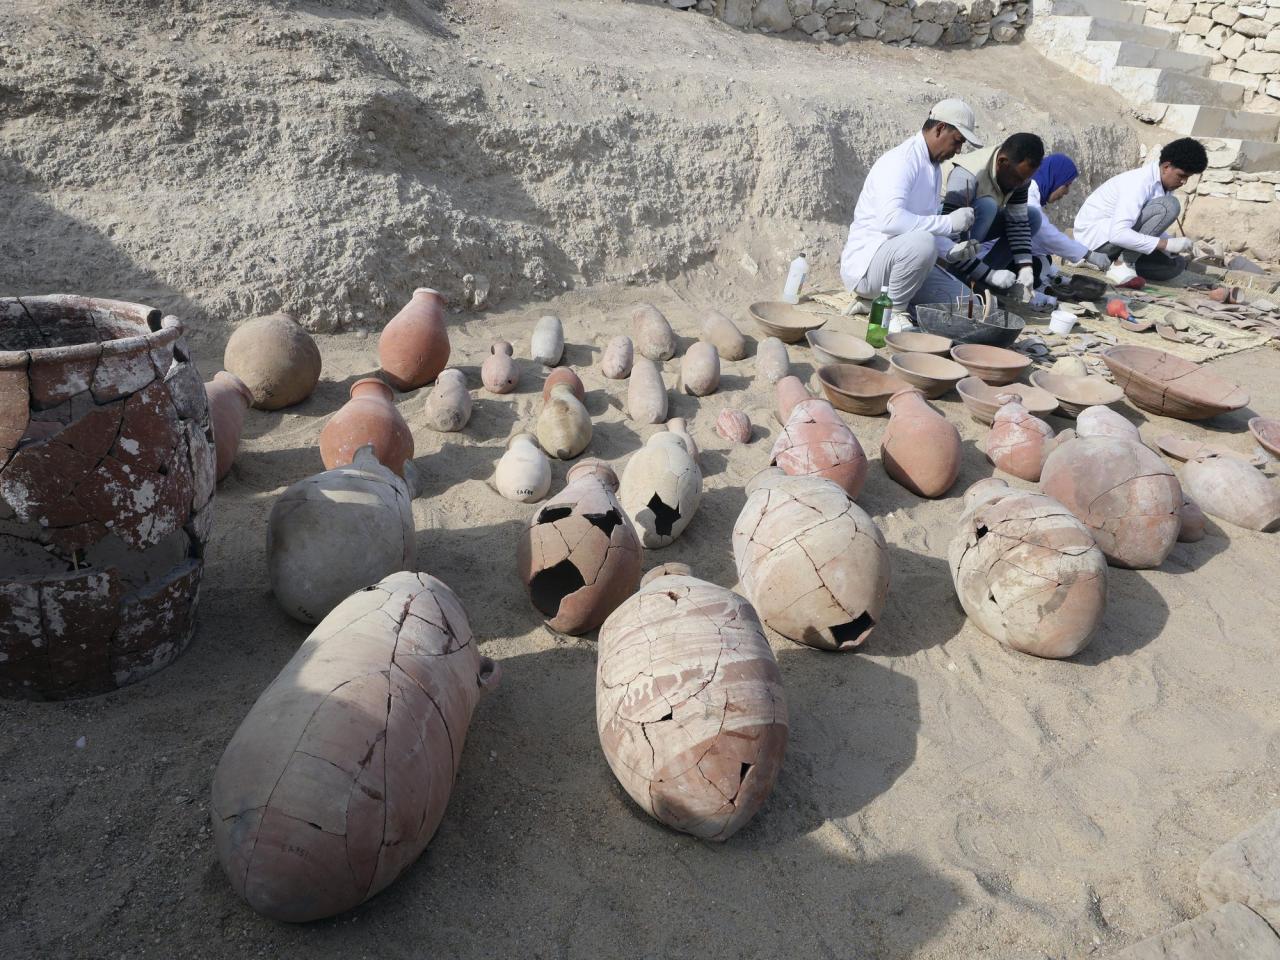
[909, 341]
[860, 390]
[831, 347]
[1076, 393]
[994, 365]
[783, 320]
[980, 398]
[1267, 433]
[933, 375]
[1159, 382]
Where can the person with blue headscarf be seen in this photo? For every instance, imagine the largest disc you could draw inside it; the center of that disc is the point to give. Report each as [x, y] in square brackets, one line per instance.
[1051, 183]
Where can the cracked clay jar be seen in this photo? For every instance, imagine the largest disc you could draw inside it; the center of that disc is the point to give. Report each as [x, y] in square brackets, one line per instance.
[106, 477]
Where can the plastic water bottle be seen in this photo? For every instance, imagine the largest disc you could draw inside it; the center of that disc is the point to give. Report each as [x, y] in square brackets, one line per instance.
[795, 279]
[881, 317]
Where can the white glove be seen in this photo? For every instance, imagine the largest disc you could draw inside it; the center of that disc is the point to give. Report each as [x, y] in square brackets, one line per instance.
[1176, 245]
[1027, 277]
[963, 251]
[1098, 259]
[961, 219]
[1001, 279]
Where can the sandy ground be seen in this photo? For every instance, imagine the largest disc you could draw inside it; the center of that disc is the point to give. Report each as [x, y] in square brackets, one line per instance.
[941, 797]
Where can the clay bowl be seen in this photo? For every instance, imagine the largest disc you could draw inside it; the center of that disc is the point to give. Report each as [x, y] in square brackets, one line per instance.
[831, 347]
[980, 398]
[932, 374]
[1159, 382]
[859, 390]
[1267, 433]
[909, 341]
[784, 321]
[1076, 393]
[994, 365]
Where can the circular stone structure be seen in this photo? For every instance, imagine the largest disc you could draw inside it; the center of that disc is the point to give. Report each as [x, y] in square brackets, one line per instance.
[106, 478]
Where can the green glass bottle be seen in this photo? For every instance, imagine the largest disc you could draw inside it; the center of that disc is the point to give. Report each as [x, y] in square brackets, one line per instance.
[881, 312]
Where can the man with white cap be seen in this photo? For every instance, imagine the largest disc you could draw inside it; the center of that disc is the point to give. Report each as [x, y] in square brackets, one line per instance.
[897, 234]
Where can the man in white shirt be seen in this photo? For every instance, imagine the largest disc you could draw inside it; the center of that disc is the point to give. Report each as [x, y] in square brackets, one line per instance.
[1125, 218]
[897, 234]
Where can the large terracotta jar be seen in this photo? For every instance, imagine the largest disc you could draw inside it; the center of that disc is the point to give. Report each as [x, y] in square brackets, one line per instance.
[369, 417]
[815, 441]
[229, 398]
[689, 705]
[1019, 441]
[106, 478]
[340, 773]
[920, 449]
[414, 346]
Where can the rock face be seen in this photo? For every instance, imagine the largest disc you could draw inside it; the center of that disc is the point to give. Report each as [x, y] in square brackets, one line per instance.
[448, 406]
[546, 346]
[369, 417]
[414, 345]
[228, 399]
[813, 564]
[580, 556]
[646, 393]
[1228, 932]
[661, 489]
[1027, 572]
[690, 706]
[653, 336]
[615, 363]
[564, 426]
[340, 773]
[816, 442]
[275, 358]
[1247, 870]
[1018, 442]
[523, 474]
[1231, 490]
[337, 532]
[920, 449]
[106, 486]
[1123, 492]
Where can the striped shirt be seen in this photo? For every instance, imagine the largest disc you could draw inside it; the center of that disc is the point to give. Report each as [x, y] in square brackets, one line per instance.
[973, 176]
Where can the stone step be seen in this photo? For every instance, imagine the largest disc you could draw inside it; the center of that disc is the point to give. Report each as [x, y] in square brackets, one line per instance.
[1110, 9]
[1152, 85]
[1249, 156]
[1140, 55]
[1103, 29]
[1198, 120]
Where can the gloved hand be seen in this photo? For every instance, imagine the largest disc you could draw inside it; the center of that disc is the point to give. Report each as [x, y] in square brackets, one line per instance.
[1001, 279]
[1176, 245]
[963, 251]
[1027, 277]
[1098, 259]
[961, 219]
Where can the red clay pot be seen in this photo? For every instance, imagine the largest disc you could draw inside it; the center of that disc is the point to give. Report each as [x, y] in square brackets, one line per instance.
[229, 398]
[920, 449]
[414, 346]
[371, 417]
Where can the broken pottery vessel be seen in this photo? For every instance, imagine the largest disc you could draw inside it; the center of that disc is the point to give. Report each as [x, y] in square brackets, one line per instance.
[564, 426]
[580, 556]
[1027, 571]
[1124, 493]
[448, 406]
[678, 426]
[1231, 490]
[524, 473]
[1018, 442]
[414, 345]
[566, 376]
[734, 425]
[499, 372]
[369, 417]
[615, 362]
[689, 705]
[920, 449]
[772, 361]
[787, 392]
[661, 489]
[646, 393]
[340, 773]
[228, 400]
[546, 346]
[653, 336]
[673, 568]
[1192, 521]
[816, 442]
[1100, 421]
[813, 564]
[722, 333]
[337, 532]
[700, 370]
[275, 358]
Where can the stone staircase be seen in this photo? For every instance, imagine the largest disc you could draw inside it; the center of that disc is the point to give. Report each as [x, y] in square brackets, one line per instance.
[1106, 42]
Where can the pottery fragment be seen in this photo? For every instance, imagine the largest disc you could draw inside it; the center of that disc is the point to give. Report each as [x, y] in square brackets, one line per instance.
[734, 425]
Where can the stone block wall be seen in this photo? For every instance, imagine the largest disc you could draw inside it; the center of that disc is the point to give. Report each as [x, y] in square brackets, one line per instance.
[900, 22]
[1221, 179]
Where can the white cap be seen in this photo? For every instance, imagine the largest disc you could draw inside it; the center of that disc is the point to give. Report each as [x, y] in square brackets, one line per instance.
[960, 115]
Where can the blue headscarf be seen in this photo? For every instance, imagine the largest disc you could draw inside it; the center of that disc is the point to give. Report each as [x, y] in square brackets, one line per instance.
[1056, 170]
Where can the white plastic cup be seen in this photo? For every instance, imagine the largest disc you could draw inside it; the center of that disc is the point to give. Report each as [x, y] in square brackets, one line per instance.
[1061, 322]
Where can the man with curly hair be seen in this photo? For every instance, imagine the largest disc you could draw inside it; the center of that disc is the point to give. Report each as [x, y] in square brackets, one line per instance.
[1125, 219]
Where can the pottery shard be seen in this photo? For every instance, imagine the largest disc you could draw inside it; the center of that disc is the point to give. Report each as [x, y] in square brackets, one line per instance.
[546, 346]
[1123, 492]
[661, 489]
[653, 336]
[816, 442]
[1231, 490]
[722, 333]
[734, 425]
[340, 773]
[690, 706]
[1247, 870]
[615, 363]
[1228, 932]
[811, 561]
[772, 361]
[580, 556]
[448, 406]
[646, 393]
[700, 370]
[1105, 422]
[1027, 572]
[564, 426]
[499, 372]
[1018, 442]
[1191, 521]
